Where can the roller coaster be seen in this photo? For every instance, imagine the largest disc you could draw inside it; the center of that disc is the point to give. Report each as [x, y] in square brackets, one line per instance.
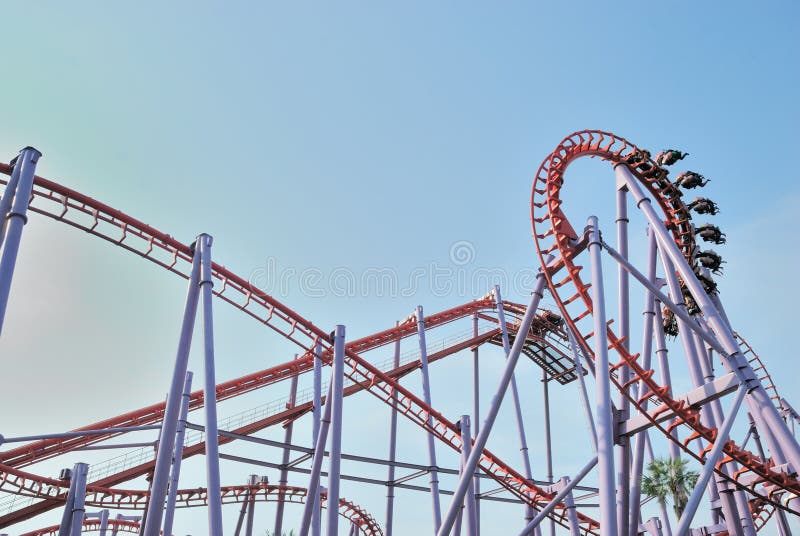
[620, 366]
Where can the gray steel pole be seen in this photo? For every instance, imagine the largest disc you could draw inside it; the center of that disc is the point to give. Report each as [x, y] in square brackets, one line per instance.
[548, 442]
[15, 221]
[623, 448]
[103, 522]
[605, 426]
[251, 506]
[210, 391]
[242, 513]
[494, 408]
[523, 442]
[169, 425]
[392, 448]
[318, 456]
[646, 356]
[336, 432]
[284, 474]
[469, 501]
[78, 508]
[738, 521]
[709, 465]
[177, 458]
[569, 506]
[66, 516]
[560, 496]
[587, 407]
[732, 357]
[426, 393]
[8, 199]
[476, 412]
[316, 518]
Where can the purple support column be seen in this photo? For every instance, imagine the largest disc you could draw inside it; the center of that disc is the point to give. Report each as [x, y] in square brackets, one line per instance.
[66, 516]
[284, 475]
[523, 442]
[494, 408]
[177, 457]
[587, 408]
[15, 220]
[469, 501]
[242, 513]
[316, 518]
[392, 448]
[336, 431]
[210, 391]
[251, 506]
[155, 510]
[560, 496]
[605, 427]
[740, 524]
[548, 445]
[646, 355]
[104, 522]
[710, 463]
[319, 455]
[426, 392]
[78, 508]
[476, 412]
[569, 506]
[8, 197]
[623, 448]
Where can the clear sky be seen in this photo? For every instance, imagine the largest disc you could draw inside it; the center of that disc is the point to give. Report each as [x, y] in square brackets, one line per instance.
[357, 136]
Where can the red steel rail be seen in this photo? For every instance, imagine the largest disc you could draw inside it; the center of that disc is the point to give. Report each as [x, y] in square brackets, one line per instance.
[189, 498]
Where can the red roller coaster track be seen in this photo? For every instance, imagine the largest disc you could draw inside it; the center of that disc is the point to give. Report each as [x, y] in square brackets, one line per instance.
[554, 235]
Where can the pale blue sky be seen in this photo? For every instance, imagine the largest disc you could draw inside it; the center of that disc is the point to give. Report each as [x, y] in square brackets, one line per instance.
[364, 135]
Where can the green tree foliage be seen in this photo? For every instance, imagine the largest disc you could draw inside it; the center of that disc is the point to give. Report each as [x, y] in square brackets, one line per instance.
[666, 480]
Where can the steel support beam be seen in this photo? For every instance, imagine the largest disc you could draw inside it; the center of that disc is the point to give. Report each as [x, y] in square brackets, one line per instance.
[605, 426]
[494, 408]
[316, 516]
[476, 413]
[204, 242]
[559, 498]
[319, 455]
[334, 461]
[469, 501]
[177, 457]
[169, 425]
[623, 300]
[392, 448]
[13, 212]
[709, 465]
[523, 441]
[284, 474]
[426, 395]
[698, 397]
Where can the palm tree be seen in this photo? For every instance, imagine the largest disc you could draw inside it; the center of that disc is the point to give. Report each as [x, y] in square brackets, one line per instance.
[669, 479]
